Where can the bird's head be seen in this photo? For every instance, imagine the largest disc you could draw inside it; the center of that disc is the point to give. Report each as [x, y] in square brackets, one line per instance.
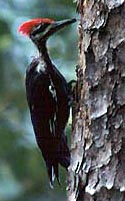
[40, 29]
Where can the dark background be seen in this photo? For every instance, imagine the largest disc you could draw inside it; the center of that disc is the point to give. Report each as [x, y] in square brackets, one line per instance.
[23, 175]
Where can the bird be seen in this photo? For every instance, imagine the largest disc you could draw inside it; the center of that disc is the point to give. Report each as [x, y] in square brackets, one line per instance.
[48, 96]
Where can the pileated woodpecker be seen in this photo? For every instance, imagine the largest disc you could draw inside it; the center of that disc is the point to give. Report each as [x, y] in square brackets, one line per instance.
[48, 96]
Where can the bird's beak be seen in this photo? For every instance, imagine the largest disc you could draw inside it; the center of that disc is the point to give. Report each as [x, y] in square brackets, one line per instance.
[63, 23]
[57, 25]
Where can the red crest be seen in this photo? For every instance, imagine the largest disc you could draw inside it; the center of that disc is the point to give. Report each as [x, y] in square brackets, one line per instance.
[26, 27]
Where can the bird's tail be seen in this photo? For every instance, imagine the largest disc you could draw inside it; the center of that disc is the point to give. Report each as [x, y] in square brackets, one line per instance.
[53, 171]
[64, 153]
[60, 156]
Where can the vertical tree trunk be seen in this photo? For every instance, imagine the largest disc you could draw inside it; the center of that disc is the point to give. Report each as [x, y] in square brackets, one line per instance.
[97, 170]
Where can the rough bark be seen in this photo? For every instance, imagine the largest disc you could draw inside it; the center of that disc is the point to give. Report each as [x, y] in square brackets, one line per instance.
[97, 170]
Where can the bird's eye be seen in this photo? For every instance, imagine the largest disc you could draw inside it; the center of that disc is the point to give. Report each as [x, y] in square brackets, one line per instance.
[40, 28]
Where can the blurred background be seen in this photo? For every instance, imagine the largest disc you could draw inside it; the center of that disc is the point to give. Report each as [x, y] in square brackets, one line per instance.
[23, 175]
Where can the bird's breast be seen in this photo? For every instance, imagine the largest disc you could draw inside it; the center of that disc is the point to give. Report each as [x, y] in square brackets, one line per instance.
[41, 67]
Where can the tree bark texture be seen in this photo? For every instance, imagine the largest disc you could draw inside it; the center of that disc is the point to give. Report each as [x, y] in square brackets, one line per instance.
[97, 170]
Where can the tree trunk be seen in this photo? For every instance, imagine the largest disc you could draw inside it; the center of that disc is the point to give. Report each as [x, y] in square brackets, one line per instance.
[97, 170]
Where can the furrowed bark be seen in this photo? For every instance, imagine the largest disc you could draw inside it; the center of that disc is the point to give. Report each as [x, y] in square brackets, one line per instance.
[97, 170]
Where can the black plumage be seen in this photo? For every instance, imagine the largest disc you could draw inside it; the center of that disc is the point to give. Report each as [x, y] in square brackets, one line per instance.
[48, 97]
[48, 100]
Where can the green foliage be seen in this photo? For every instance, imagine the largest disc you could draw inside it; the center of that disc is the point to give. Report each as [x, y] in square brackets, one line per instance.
[23, 176]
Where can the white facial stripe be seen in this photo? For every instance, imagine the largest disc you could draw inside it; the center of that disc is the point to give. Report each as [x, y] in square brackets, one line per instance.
[42, 33]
